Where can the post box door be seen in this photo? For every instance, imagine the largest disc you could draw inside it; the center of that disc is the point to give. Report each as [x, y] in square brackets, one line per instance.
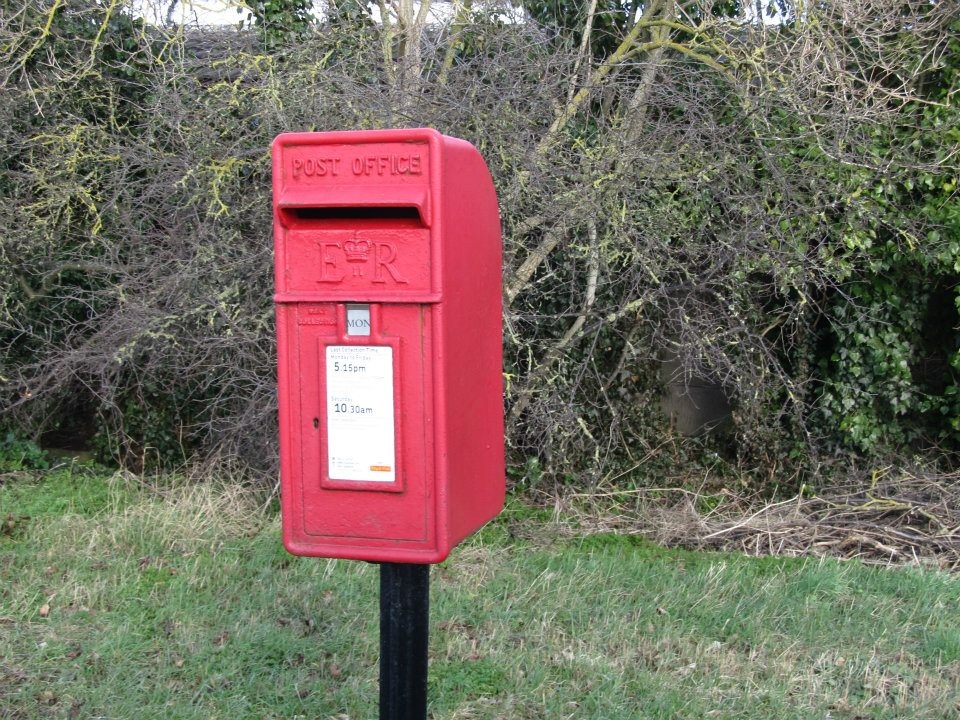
[362, 415]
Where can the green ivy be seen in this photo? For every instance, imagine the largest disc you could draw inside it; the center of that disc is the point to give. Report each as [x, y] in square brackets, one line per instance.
[891, 360]
[279, 21]
[17, 453]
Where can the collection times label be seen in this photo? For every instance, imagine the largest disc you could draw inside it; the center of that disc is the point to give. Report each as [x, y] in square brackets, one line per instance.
[360, 422]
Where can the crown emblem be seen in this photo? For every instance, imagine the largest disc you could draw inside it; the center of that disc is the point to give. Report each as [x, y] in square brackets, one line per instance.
[356, 250]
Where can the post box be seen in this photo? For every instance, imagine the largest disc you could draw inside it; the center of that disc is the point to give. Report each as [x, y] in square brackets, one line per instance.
[388, 302]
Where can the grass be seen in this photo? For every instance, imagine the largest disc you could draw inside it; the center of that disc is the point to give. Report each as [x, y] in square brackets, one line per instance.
[119, 600]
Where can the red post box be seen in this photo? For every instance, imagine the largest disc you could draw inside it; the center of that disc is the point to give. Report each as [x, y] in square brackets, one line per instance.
[388, 297]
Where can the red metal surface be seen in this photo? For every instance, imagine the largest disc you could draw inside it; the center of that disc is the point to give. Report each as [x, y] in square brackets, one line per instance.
[405, 221]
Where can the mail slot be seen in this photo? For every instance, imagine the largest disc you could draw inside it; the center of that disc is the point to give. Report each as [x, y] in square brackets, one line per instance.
[388, 301]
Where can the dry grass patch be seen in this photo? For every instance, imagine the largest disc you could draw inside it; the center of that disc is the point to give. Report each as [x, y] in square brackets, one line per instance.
[898, 517]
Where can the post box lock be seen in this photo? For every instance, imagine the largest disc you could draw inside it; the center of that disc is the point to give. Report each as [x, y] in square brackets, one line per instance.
[388, 300]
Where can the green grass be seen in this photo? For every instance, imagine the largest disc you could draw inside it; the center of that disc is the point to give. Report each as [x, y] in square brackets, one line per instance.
[177, 601]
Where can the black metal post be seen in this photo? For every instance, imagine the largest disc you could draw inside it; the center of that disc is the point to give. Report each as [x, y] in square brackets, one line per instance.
[404, 629]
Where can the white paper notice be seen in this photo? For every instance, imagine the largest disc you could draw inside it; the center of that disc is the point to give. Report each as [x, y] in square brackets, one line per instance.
[360, 423]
